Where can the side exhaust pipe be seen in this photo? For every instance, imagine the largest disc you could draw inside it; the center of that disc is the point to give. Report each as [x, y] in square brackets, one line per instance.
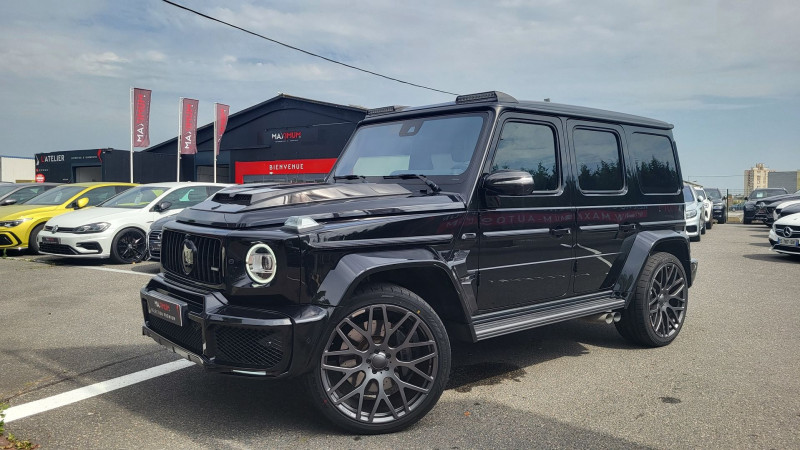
[607, 317]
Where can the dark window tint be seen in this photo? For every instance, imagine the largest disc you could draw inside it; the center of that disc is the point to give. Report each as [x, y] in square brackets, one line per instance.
[688, 195]
[26, 193]
[599, 162]
[655, 162]
[531, 148]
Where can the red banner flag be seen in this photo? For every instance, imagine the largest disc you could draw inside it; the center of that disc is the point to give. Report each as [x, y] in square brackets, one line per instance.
[188, 136]
[141, 118]
[220, 122]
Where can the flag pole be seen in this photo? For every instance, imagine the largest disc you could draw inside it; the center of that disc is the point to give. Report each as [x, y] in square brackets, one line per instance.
[216, 140]
[132, 120]
[180, 114]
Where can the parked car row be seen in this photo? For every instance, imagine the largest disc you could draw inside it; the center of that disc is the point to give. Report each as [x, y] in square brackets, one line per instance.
[701, 207]
[780, 211]
[94, 220]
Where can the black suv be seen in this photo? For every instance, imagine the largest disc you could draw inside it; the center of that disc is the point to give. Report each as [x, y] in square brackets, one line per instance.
[466, 220]
[719, 210]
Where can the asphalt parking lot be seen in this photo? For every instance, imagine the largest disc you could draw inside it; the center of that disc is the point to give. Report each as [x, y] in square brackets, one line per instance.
[730, 380]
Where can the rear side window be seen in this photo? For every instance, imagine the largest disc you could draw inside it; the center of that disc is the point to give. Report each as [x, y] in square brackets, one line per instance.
[597, 153]
[530, 148]
[655, 162]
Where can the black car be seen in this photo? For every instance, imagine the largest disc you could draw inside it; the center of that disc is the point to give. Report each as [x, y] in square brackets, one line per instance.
[788, 210]
[466, 220]
[719, 208]
[17, 193]
[751, 212]
[154, 237]
[770, 204]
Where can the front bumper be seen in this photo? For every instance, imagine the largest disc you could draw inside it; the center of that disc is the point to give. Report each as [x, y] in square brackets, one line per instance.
[86, 245]
[775, 241]
[11, 239]
[718, 213]
[273, 342]
[693, 226]
[693, 263]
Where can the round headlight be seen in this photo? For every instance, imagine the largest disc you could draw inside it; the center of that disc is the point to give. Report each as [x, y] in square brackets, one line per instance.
[261, 263]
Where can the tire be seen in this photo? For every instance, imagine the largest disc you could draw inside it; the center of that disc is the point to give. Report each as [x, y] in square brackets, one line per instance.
[129, 246]
[702, 229]
[656, 314]
[357, 360]
[33, 244]
[724, 217]
[710, 224]
[747, 221]
[695, 238]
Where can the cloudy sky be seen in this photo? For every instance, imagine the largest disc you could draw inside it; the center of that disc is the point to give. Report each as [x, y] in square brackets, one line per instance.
[726, 73]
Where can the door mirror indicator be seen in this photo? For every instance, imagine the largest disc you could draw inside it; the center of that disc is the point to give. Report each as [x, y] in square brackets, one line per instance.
[509, 182]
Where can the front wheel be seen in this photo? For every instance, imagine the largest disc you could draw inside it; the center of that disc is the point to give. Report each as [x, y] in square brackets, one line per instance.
[710, 224]
[33, 242]
[384, 364]
[724, 217]
[129, 246]
[657, 311]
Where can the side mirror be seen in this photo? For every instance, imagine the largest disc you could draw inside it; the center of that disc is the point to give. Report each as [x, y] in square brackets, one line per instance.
[8, 201]
[81, 202]
[509, 182]
[163, 206]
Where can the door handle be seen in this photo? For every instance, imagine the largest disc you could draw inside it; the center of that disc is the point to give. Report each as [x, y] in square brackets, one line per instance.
[627, 227]
[560, 231]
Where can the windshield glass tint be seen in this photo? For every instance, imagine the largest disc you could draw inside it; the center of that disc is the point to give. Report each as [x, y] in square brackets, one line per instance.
[135, 198]
[764, 193]
[687, 194]
[6, 189]
[55, 196]
[714, 194]
[427, 146]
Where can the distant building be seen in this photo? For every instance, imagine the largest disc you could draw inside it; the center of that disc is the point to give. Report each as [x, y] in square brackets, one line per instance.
[756, 178]
[16, 169]
[787, 180]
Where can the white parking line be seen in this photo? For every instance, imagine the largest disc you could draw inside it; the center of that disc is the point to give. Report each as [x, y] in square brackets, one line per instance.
[108, 269]
[57, 401]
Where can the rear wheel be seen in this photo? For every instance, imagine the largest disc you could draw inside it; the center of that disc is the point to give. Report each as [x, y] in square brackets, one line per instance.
[129, 246]
[384, 364]
[657, 311]
[33, 243]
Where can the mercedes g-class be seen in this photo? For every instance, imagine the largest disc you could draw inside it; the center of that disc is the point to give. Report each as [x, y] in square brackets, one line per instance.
[465, 220]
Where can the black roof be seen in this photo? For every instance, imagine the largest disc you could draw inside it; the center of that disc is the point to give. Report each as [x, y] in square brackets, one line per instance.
[505, 101]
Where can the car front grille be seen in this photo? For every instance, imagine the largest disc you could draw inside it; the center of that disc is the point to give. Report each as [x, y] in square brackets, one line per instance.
[58, 249]
[787, 232]
[154, 244]
[207, 260]
[250, 347]
[189, 336]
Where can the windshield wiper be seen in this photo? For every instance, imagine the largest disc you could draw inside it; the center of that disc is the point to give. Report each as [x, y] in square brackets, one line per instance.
[350, 177]
[408, 176]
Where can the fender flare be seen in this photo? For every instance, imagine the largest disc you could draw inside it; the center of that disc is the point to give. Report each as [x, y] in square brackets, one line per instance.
[341, 282]
[639, 248]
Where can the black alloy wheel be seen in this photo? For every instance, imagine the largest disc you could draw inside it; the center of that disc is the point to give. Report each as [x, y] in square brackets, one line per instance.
[129, 246]
[384, 364]
[656, 314]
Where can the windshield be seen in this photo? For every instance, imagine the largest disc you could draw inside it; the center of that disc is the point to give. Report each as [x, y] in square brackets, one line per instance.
[764, 193]
[687, 194]
[55, 196]
[135, 198]
[713, 193]
[424, 146]
[6, 189]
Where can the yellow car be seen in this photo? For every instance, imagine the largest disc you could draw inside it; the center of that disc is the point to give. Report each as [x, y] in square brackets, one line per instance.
[20, 224]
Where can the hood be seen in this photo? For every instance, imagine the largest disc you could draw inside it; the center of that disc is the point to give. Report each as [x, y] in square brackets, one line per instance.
[92, 215]
[263, 205]
[771, 201]
[792, 221]
[17, 211]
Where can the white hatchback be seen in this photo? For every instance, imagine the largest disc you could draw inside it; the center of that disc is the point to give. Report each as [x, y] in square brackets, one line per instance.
[117, 228]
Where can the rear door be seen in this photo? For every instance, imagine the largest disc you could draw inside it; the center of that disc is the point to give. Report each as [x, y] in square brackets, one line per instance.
[603, 199]
[526, 242]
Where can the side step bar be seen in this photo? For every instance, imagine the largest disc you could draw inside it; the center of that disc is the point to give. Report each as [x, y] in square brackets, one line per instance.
[494, 324]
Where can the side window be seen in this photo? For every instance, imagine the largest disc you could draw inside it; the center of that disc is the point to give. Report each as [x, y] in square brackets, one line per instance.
[599, 163]
[100, 194]
[655, 162]
[122, 188]
[186, 197]
[26, 194]
[531, 148]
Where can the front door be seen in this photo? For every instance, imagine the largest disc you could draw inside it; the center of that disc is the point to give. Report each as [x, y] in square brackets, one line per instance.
[526, 241]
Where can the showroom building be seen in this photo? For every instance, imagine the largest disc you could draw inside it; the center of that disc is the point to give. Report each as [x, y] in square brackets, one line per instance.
[286, 139]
